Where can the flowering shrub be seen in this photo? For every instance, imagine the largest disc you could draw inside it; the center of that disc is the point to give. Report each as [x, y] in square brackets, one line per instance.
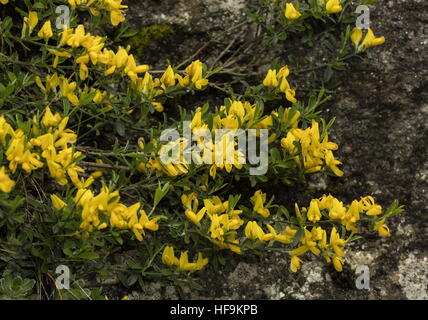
[83, 175]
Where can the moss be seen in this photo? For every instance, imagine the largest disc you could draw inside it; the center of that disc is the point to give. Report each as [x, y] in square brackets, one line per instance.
[147, 36]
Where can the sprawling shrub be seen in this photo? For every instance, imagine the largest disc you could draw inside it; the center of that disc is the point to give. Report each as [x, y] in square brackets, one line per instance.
[105, 171]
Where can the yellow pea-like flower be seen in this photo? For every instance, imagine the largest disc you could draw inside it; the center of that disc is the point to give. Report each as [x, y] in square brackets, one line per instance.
[356, 36]
[291, 12]
[338, 263]
[270, 79]
[333, 6]
[168, 78]
[254, 231]
[370, 40]
[382, 229]
[46, 31]
[57, 202]
[295, 264]
[158, 106]
[6, 184]
[314, 213]
[31, 22]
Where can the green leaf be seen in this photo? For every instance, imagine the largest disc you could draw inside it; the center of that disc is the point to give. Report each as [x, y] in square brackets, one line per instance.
[328, 73]
[160, 193]
[120, 127]
[88, 255]
[38, 5]
[368, 2]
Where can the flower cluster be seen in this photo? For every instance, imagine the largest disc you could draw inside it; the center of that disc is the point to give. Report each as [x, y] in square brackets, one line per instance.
[96, 53]
[369, 40]
[330, 6]
[315, 241]
[279, 80]
[255, 232]
[315, 152]
[222, 223]
[121, 62]
[195, 76]
[103, 209]
[223, 219]
[52, 82]
[114, 7]
[347, 217]
[177, 166]
[331, 208]
[49, 143]
[169, 258]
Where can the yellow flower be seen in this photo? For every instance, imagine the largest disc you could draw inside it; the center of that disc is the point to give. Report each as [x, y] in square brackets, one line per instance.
[46, 31]
[116, 17]
[190, 201]
[216, 229]
[356, 36]
[194, 70]
[332, 163]
[308, 244]
[158, 106]
[289, 93]
[201, 262]
[295, 264]
[49, 119]
[370, 40]
[338, 263]
[132, 70]
[352, 215]
[337, 210]
[254, 231]
[196, 217]
[185, 265]
[5, 130]
[233, 244]
[271, 236]
[67, 90]
[31, 21]
[58, 54]
[368, 204]
[57, 202]
[215, 205]
[381, 228]
[286, 236]
[291, 12]
[270, 79]
[297, 211]
[4, 1]
[6, 184]
[168, 78]
[314, 213]
[333, 6]
[336, 243]
[150, 224]
[259, 199]
[314, 151]
[18, 153]
[168, 256]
